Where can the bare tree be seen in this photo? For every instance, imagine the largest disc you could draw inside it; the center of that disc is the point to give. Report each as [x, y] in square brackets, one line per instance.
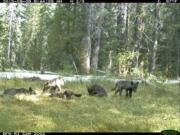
[122, 21]
[122, 29]
[10, 19]
[137, 35]
[85, 47]
[178, 63]
[154, 46]
[109, 67]
[96, 23]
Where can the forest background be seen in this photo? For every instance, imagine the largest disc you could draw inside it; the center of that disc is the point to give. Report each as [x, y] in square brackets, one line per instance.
[99, 38]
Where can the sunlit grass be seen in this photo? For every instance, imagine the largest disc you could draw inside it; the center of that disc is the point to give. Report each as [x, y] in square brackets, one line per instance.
[150, 109]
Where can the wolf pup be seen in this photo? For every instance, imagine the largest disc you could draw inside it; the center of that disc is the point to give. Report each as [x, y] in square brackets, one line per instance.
[96, 90]
[128, 86]
[66, 94]
[54, 85]
[14, 91]
[69, 94]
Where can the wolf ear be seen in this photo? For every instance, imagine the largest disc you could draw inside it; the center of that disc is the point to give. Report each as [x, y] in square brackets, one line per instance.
[30, 89]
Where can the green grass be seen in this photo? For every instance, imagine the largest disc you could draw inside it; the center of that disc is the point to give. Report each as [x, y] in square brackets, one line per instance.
[149, 110]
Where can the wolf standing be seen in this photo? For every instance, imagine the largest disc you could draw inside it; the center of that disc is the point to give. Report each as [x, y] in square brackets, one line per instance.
[54, 84]
[128, 86]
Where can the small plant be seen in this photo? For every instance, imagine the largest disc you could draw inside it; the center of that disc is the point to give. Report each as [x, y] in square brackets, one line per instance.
[127, 63]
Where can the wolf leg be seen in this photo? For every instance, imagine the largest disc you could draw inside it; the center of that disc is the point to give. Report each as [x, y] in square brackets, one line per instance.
[130, 93]
[116, 92]
[120, 92]
[127, 93]
[114, 87]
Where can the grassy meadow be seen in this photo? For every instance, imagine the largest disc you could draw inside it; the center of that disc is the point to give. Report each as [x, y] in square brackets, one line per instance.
[149, 109]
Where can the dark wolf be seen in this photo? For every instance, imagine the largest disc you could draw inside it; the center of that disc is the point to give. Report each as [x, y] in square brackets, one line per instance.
[128, 86]
[96, 90]
[32, 79]
[69, 94]
[66, 94]
[14, 91]
[53, 85]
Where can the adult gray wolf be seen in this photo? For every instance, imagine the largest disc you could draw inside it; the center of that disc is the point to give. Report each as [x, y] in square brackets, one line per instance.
[128, 86]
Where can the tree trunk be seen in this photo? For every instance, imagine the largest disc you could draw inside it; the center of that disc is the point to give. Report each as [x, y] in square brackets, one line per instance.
[137, 32]
[122, 30]
[94, 55]
[85, 47]
[153, 48]
[121, 24]
[178, 63]
[110, 61]
[85, 54]
[97, 13]
[11, 8]
[176, 40]
[127, 25]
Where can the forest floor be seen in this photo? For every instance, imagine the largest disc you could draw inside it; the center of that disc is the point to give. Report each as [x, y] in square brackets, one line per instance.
[150, 109]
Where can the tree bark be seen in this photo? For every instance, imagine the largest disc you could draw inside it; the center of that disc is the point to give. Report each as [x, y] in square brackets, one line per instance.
[127, 25]
[110, 61]
[178, 64]
[85, 54]
[153, 48]
[97, 24]
[122, 30]
[137, 32]
[11, 8]
[121, 24]
[85, 47]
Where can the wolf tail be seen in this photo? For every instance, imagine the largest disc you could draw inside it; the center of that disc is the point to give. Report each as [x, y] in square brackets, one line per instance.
[77, 95]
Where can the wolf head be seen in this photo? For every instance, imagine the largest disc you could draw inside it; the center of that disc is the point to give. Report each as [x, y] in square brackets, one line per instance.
[135, 86]
[31, 91]
[46, 86]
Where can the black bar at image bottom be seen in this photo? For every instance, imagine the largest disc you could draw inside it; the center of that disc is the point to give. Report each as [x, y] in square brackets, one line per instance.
[49, 133]
[89, 1]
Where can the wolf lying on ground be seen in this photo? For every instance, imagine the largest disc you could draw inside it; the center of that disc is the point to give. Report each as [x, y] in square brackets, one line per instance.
[128, 86]
[54, 85]
[32, 79]
[66, 94]
[14, 91]
[96, 90]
